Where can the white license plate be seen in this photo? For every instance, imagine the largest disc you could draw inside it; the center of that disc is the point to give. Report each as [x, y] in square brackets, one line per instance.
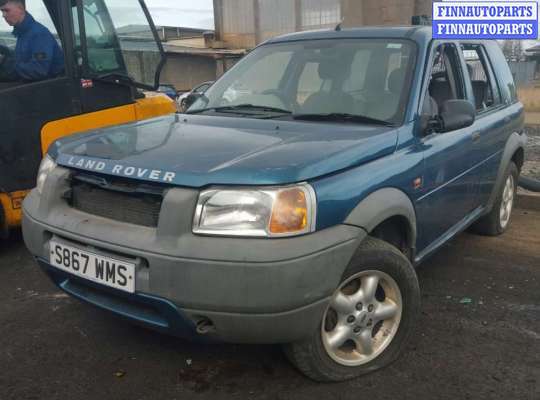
[104, 270]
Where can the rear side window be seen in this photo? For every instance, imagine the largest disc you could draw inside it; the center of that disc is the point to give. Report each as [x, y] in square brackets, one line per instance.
[484, 86]
[504, 77]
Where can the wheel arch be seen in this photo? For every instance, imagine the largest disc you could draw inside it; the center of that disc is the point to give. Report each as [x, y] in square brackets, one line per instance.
[519, 158]
[384, 214]
[514, 151]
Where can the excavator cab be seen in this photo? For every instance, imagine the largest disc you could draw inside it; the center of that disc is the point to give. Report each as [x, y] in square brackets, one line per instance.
[111, 52]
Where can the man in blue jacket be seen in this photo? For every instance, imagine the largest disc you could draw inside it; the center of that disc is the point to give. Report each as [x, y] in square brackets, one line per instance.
[37, 53]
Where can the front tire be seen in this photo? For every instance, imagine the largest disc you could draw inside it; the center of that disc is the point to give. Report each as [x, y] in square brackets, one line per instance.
[498, 220]
[368, 320]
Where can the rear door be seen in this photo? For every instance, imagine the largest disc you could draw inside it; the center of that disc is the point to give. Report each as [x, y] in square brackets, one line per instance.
[490, 129]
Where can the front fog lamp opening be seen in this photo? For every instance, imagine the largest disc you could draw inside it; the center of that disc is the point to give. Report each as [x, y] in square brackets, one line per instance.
[256, 212]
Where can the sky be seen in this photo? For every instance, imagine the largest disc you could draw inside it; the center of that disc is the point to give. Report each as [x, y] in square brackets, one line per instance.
[185, 13]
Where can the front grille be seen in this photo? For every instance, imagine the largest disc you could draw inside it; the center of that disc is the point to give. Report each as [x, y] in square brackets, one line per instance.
[119, 201]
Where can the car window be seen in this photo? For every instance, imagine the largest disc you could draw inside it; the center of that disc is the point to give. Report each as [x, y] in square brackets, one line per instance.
[366, 77]
[202, 88]
[356, 81]
[309, 82]
[446, 79]
[486, 96]
[265, 75]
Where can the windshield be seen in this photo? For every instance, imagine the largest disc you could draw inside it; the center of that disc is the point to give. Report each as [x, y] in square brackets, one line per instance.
[119, 40]
[359, 77]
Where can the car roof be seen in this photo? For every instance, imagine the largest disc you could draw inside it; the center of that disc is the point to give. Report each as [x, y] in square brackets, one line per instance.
[420, 34]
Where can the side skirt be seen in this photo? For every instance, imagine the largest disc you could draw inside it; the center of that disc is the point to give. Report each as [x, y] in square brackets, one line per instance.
[452, 232]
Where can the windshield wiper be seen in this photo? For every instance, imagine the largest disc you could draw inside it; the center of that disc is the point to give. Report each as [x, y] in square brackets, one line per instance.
[341, 117]
[241, 108]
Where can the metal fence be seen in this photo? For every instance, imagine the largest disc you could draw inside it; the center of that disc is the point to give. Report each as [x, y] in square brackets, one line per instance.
[523, 72]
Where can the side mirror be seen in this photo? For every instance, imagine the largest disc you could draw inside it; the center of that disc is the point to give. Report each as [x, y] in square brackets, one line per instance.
[192, 98]
[456, 114]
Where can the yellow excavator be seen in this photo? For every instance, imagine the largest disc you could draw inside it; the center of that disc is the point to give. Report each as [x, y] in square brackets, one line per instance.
[113, 57]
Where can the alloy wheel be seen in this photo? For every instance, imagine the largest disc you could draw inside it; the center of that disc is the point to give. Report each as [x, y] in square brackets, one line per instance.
[362, 318]
[507, 202]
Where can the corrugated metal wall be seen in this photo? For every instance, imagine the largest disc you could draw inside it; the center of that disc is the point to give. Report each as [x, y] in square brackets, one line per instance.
[270, 24]
[523, 72]
[238, 22]
[245, 23]
[389, 12]
[317, 14]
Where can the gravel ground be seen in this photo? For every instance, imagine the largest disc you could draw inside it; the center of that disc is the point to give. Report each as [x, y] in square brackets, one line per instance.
[478, 337]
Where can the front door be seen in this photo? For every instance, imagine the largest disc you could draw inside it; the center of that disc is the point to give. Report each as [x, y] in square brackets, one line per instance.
[448, 184]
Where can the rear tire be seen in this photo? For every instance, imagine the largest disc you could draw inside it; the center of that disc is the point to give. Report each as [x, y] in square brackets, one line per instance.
[378, 325]
[498, 220]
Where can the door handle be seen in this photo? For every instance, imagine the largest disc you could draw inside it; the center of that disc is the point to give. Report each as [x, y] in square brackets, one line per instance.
[476, 136]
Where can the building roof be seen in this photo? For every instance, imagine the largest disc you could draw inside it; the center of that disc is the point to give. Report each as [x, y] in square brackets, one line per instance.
[138, 28]
[197, 46]
[533, 50]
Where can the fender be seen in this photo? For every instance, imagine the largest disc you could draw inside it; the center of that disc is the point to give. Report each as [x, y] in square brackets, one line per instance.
[381, 205]
[515, 142]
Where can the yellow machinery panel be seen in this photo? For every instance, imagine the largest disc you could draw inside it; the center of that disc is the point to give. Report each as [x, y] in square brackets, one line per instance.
[149, 107]
[12, 207]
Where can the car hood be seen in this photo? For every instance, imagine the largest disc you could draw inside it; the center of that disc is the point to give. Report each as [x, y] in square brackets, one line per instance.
[196, 151]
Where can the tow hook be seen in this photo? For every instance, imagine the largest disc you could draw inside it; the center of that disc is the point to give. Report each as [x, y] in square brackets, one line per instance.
[205, 326]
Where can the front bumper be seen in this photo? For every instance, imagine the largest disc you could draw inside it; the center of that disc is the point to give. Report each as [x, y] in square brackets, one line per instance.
[164, 316]
[252, 290]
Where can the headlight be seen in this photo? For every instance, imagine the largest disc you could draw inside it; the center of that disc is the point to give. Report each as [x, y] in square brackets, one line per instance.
[46, 167]
[256, 212]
